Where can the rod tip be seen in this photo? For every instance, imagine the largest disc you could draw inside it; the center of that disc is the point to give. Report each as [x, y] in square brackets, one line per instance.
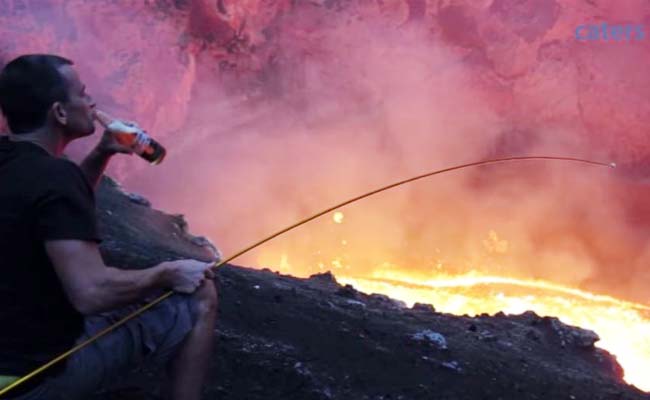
[613, 165]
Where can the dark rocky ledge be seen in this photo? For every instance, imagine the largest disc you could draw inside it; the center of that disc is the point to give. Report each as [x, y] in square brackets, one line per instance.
[286, 338]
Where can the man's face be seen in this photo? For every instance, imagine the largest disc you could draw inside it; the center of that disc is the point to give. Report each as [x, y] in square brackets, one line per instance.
[80, 106]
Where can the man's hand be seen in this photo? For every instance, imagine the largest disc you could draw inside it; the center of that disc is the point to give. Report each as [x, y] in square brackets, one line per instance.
[186, 276]
[109, 144]
[96, 161]
[92, 287]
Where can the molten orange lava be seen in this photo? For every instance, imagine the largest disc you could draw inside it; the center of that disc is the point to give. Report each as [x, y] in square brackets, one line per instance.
[623, 327]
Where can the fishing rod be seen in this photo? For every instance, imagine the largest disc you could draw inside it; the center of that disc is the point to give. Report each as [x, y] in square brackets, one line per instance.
[218, 264]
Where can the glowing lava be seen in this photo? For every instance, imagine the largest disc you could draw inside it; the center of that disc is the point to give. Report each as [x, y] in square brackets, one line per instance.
[624, 327]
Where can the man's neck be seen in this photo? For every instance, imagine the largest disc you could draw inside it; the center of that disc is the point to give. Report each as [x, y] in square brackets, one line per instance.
[44, 138]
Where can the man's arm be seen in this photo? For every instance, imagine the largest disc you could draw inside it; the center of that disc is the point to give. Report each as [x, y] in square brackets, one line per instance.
[93, 287]
[94, 165]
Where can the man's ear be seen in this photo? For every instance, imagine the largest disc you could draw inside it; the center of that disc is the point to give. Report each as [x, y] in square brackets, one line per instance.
[59, 113]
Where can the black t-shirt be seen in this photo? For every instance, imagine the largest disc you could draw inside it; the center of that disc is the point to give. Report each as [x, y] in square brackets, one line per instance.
[41, 198]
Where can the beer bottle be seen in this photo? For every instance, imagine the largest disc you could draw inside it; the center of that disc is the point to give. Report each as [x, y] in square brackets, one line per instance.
[132, 136]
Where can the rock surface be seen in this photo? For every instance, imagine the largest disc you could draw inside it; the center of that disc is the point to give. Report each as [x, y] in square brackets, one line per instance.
[280, 337]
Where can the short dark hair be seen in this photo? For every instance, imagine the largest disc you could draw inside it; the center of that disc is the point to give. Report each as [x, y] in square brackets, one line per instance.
[29, 85]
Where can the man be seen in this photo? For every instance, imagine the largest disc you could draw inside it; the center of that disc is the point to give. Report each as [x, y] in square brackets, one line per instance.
[54, 288]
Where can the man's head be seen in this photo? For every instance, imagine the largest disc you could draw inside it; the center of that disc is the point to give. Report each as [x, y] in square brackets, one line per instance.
[40, 90]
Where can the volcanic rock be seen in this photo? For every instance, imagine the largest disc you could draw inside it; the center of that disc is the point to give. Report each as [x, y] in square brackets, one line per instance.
[423, 307]
[280, 337]
[431, 337]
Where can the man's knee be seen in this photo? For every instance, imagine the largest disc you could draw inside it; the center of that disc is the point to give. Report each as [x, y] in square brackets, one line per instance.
[206, 300]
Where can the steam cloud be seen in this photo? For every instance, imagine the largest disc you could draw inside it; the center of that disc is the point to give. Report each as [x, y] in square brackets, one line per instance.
[321, 104]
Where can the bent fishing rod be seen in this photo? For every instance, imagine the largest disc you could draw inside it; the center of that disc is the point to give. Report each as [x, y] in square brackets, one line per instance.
[218, 264]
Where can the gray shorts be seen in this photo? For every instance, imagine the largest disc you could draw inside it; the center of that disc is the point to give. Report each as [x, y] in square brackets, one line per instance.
[152, 337]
